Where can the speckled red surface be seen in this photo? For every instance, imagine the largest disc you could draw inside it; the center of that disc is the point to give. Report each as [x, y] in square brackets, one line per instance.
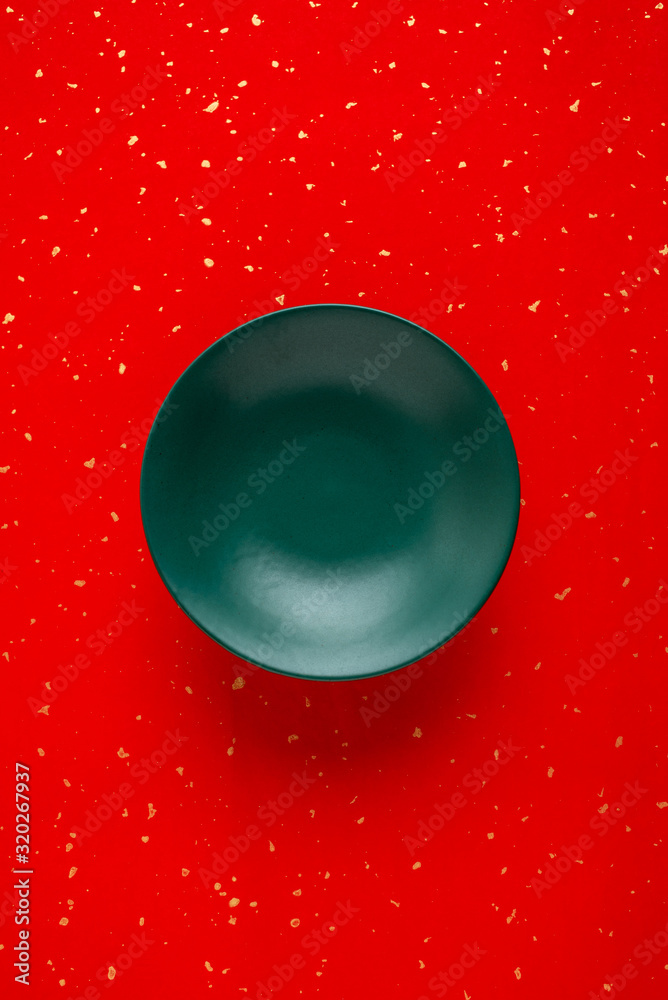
[537, 199]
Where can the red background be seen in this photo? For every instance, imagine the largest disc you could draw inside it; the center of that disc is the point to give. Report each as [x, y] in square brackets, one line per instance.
[67, 574]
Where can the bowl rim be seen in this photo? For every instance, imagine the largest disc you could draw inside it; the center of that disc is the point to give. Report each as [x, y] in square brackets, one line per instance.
[448, 637]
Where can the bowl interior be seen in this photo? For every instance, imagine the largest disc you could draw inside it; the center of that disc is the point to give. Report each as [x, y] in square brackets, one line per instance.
[330, 492]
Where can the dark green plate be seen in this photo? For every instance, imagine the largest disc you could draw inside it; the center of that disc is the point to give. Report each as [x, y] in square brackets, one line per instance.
[330, 492]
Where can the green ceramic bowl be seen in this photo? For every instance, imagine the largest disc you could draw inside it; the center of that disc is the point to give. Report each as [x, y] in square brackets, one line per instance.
[330, 492]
